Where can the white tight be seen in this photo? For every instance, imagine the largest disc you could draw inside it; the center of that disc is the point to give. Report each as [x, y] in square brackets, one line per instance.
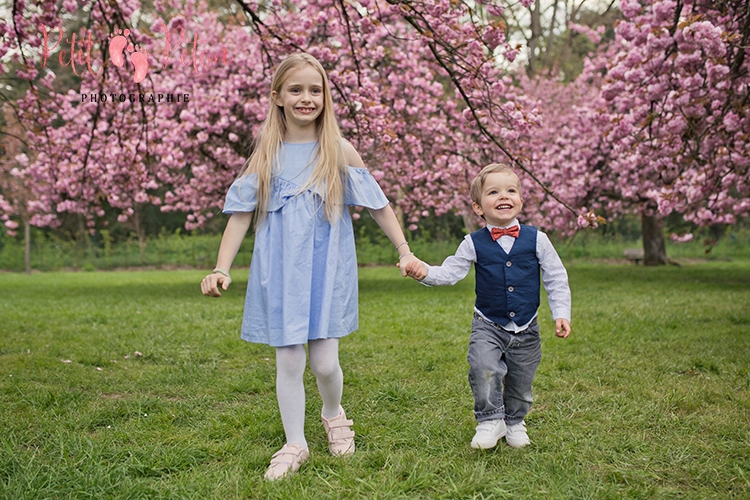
[290, 390]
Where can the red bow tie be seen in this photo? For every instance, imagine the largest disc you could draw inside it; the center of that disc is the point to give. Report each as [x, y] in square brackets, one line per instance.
[496, 232]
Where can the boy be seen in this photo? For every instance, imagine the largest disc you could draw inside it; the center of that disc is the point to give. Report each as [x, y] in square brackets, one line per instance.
[505, 347]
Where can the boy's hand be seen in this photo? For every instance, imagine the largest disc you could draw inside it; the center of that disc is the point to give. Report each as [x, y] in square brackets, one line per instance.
[562, 328]
[419, 271]
[413, 268]
[406, 263]
[210, 284]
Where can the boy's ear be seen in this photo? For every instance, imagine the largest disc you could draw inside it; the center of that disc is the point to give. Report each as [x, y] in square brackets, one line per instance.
[477, 209]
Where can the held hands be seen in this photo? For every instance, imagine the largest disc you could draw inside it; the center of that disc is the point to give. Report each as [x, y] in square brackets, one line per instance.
[562, 328]
[413, 267]
[211, 283]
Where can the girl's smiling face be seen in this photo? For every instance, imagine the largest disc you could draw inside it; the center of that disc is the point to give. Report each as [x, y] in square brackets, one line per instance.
[501, 199]
[302, 97]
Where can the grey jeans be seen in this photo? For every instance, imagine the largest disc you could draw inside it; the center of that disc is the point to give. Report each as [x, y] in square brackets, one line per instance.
[502, 365]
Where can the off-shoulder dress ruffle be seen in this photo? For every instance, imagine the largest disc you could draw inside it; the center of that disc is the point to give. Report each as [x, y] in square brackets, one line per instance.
[303, 274]
[363, 190]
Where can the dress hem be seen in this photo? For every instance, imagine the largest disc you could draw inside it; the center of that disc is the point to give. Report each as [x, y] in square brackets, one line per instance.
[265, 342]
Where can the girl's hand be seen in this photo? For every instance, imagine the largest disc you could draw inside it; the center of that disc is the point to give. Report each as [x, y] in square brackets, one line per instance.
[562, 328]
[211, 283]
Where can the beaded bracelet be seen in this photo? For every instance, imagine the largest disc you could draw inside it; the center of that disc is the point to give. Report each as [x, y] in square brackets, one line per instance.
[225, 273]
[402, 244]
[404, 255]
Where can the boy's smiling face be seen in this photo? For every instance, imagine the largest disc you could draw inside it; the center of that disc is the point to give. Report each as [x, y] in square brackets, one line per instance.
[501, 199]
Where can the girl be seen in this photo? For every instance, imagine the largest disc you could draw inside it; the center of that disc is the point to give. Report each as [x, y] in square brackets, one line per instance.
[303, 276]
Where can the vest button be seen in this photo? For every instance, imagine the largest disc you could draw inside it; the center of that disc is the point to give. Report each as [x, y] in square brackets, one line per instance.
[508, 264]
[512, 314]
[510, 288]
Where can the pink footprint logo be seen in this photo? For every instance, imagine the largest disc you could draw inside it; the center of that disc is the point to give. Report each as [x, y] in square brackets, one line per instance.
[118, 44]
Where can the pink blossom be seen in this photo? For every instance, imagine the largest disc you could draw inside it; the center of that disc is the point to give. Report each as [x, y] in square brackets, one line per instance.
[732, 121]
[27, 74]
[495, 9]
[630, 8]
[510, 53]
[684, 238]
[22, 160]
[663, 10]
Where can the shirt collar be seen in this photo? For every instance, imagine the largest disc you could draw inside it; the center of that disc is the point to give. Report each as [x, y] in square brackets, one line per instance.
[514, 223]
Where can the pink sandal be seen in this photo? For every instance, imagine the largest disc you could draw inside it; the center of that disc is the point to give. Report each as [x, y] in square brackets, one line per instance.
[340, 434]
[286, 461]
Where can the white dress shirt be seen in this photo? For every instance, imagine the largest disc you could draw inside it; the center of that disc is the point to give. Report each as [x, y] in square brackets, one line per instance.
[554, 276]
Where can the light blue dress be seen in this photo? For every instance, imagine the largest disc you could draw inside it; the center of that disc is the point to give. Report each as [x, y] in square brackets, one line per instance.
[303, 273]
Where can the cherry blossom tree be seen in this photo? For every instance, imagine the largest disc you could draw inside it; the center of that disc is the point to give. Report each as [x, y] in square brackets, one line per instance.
[13, 182]
[655, 124]
[123, 144]
[672, 115]
[418, 88]
[17, 194]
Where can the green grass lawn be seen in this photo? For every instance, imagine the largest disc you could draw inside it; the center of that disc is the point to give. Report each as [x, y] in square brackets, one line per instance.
[133, 385]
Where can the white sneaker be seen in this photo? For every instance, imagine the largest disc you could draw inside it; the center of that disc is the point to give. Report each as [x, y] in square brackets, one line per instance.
[488, 434]
[516, 436]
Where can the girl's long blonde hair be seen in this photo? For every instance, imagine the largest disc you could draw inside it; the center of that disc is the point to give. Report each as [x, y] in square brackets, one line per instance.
[329, 174]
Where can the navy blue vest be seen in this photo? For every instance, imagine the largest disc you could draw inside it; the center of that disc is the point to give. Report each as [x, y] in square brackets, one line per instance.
[507, 285]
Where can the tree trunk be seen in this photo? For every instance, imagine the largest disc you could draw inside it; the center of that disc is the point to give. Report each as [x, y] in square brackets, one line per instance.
[142, 243]
[654, 249]
[140, 233]
[27, 246]
[550, 34]
[536, 34]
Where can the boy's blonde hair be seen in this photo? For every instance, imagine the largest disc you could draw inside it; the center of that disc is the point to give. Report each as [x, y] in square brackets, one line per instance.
[475, 190]
[329, 174]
